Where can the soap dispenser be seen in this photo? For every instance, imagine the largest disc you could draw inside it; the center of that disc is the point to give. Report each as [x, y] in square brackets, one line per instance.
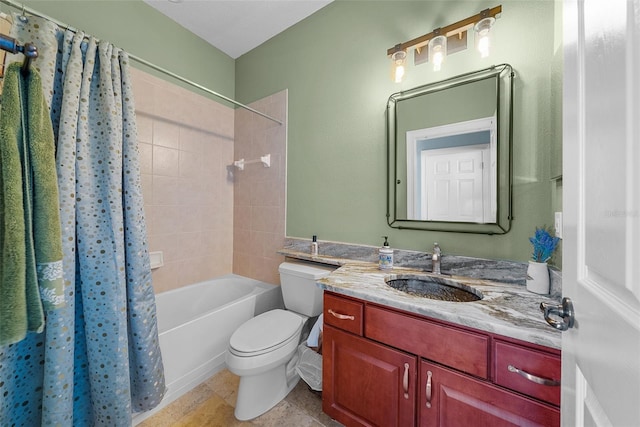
[436, 258]
[314, 246]
[385, 256]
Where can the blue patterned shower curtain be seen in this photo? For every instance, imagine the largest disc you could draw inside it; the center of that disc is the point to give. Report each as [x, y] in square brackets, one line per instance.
[98, 359]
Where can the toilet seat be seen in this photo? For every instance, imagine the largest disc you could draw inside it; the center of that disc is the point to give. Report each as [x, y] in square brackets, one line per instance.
[265, 333]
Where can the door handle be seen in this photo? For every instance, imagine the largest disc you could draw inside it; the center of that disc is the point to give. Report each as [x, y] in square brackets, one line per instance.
[564, 311]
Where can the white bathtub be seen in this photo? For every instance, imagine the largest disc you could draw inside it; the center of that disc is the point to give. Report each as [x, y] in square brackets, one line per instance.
[195, 324]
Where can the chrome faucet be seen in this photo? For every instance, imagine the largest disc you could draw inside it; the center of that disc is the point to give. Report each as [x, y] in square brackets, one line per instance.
[436, 258]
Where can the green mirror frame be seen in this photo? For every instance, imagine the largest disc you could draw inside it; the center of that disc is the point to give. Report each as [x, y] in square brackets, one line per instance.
[440, 97]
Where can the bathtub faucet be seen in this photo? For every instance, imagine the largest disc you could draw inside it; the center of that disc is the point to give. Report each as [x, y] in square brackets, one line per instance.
[436, 258]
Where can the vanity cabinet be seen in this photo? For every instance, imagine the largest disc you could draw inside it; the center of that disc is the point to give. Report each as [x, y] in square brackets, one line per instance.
[385, 367]
[364, 382]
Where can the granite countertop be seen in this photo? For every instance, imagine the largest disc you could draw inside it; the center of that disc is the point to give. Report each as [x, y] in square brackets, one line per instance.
[506, 309]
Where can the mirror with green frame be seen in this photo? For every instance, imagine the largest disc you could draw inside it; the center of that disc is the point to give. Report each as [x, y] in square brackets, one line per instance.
[449, 154]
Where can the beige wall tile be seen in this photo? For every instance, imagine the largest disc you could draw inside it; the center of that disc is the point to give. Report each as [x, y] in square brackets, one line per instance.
[242, 241]
[242, 193]
[259, 193]
[166, 161]
[166, 277]
[193, 140]
[191, 244]
[186, 141]
[166, 219]
[190, 164]
[146, 181]
[265, 218]
[144, 92]
[168, 244]
[242, 217]
[167, 190]
[207, 217]
[191, 190]
[272, 243]
[241, 264]
[169, 102]
[166, 134]
[146, 158]
[191, 219]
[144, 124]
[265, 193]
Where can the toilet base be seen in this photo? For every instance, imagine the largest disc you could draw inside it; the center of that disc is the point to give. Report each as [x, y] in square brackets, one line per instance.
[259, 393]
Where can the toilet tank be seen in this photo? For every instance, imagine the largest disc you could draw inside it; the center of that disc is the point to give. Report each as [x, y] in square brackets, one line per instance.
[299, 289]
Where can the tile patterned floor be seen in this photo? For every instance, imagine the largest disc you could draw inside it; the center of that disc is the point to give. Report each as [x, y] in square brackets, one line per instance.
[212, 403]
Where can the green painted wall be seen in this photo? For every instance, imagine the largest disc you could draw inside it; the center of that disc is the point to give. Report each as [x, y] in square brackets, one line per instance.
[335, 67]
[142, 31]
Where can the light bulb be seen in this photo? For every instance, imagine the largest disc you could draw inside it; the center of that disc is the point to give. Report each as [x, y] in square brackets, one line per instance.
[437, 51]
[483, 45]
[438, 58]
[399, 74]
[397, 71]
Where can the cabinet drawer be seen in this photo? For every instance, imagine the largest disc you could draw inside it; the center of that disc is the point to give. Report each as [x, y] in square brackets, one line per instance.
[529, 368]
[453, 347]
[343, 313]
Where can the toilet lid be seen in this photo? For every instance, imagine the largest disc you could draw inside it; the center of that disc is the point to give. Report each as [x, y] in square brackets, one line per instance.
[265, 332]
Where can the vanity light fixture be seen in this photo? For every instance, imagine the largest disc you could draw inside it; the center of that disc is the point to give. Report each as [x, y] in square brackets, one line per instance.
[397, 67]
[436, 41]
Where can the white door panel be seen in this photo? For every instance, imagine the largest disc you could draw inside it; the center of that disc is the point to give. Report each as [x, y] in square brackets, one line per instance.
[468, 199]
[601, 252]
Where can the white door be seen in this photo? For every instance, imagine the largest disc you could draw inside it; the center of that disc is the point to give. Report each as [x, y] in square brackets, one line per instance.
[601, 246]
[454, 183]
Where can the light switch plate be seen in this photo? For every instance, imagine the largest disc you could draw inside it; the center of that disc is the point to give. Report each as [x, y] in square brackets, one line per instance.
[558, 224]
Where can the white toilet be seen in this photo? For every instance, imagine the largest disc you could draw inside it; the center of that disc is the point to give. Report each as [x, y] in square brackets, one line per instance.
[261, 351]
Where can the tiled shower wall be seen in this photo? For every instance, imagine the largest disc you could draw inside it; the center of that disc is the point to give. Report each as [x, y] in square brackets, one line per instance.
[186, 143]
[260, 193]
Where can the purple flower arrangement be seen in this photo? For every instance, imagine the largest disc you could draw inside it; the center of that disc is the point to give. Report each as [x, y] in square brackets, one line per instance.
[543, 245]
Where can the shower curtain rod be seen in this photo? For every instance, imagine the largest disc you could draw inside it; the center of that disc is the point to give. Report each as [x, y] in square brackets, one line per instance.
[199, 86]
[133, 57]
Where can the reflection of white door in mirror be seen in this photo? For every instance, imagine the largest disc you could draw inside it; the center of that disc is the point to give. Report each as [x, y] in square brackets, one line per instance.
[453, 183]
[452, 172]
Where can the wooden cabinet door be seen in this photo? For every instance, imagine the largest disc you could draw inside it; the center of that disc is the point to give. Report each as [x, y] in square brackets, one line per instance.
[449, 398]
[365, 383]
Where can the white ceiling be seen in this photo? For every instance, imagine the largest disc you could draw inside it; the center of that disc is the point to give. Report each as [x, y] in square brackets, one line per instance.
[237, 26]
